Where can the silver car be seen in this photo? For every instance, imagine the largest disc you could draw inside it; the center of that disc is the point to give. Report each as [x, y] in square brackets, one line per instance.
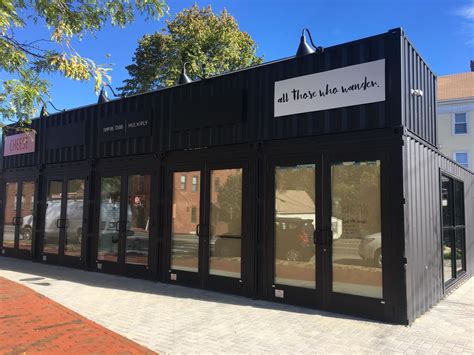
[370, 248]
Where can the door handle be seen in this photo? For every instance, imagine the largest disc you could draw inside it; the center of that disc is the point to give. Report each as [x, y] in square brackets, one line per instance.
[198, 230]
[58, 223]
[117, 226]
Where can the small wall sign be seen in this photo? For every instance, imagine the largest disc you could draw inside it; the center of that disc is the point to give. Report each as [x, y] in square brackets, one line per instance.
[353, 85]
[120, 127]
[19, 144]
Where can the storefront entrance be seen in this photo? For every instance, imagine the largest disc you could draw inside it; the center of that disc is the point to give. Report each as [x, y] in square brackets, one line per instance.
[324, 224]
[19, 215]
[64, 222]
[123, 221]
[208, 241]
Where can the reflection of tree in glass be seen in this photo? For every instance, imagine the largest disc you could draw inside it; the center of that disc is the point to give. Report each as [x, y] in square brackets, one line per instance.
[301, 178]
[356, 198]
[229, 202]
[111, 189]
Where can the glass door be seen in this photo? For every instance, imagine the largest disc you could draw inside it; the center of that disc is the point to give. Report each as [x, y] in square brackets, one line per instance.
[296, 229]
[63, 228]
[206, 229]
[19, 213]
[124, 223]
[356, 224]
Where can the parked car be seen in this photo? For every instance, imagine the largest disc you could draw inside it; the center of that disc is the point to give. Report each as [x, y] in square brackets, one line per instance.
[53, 213]
[295, 240]
[370, 248]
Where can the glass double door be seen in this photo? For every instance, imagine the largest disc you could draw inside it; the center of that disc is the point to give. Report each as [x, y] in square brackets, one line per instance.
[206, 237]
[64, 220]
[124, 222]
[18, 217]
[326, 244]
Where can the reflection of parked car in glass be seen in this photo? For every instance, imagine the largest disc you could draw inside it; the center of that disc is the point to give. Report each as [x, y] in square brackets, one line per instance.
[370, 248]
[295, 240]
[53, 213]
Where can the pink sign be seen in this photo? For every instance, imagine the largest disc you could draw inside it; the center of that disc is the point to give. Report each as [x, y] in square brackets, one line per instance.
[19, 144]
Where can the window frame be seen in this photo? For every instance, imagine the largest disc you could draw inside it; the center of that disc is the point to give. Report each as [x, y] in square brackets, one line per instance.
[462, 152]
[457, 274]
[182, 182]
[453, 124]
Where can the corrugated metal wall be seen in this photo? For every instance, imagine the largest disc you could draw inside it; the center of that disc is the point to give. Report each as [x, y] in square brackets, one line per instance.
[66, 137]
[422, 166]
[139, 107]
[418, 113]
[253, 90]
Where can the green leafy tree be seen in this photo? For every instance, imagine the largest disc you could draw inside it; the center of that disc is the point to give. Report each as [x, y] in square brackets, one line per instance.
[211, 44]
[23, 64]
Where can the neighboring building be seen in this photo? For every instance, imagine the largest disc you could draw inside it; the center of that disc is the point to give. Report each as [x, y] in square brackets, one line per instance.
[456, 117]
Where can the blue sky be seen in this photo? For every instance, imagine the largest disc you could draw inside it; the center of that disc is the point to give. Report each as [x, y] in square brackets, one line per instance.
[442, 31]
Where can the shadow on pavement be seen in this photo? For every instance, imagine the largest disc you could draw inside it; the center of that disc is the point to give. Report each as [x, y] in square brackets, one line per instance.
[102, 280]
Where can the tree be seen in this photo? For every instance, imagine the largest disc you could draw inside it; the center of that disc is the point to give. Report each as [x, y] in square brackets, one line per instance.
[25, 63]
[211, 44]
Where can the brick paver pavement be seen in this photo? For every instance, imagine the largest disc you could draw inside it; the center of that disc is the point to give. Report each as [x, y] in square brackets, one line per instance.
[32, 323]
[173, 319]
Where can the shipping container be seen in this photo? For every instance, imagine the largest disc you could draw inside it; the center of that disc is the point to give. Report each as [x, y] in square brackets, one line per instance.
[314, 180]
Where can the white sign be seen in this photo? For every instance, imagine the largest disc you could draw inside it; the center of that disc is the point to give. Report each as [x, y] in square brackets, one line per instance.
[353, 85]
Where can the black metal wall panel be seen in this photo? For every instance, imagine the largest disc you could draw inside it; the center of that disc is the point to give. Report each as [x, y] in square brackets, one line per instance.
[66, 137]
[239, 107]
[422, 166]
[124, 127]
[418, 112]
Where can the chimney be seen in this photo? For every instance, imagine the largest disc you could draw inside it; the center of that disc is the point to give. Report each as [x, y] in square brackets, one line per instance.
[472, 65]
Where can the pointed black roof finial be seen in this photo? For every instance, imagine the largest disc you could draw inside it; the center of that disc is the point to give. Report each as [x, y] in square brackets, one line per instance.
[103, 96]
[184, 78]
[43, 112]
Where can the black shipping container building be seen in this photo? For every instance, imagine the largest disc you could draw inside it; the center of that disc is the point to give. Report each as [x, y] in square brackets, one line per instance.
[314, 180]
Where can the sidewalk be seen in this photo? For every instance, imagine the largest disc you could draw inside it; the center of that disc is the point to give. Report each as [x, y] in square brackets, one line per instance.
[32, 323]
[173, 319]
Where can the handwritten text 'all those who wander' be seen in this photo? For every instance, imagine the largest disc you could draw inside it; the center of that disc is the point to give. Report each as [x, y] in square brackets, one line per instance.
[296, 94]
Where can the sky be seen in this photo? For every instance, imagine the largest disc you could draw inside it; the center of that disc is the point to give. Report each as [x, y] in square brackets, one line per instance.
[442, 32]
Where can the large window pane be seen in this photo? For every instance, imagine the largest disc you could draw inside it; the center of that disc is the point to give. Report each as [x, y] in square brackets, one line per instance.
[110, 189]
[138, 219]
[357, 246]
[459, 243]
[226, 222]
[74, 215]
[27, 214]
[448, 234]
[53, 215]
[295, 221]
[184, 241]
[11, 190]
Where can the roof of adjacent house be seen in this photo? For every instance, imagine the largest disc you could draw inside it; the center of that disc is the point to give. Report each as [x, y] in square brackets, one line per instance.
[456, 86]
[294, 201]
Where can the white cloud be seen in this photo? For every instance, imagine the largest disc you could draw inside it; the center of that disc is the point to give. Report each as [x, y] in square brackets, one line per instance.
[467, 12]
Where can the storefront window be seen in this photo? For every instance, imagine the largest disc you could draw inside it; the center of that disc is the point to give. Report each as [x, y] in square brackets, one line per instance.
[138, 219]
[184, 240]
[295, 222]
[74, 217]
[52, 220]
[11, 190]
[357, 244]
[452, 202]
[110, 189]
[226, 223]
[27, 215]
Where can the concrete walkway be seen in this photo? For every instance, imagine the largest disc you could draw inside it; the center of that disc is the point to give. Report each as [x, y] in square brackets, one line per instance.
[173, 319]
